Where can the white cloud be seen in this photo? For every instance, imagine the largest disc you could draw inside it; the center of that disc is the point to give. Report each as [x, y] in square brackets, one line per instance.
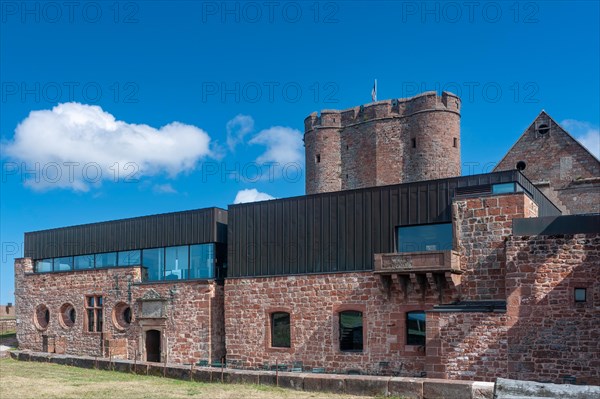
[237, 129]
[251, 195]
[103, 148]
[164, 189]
[586, 133]
[284, 145]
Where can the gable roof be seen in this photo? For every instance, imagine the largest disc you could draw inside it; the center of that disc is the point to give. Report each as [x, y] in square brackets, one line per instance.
[543, 113]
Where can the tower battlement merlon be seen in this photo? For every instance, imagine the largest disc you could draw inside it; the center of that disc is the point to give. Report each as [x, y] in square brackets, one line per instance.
[385, 142]
[391, 108]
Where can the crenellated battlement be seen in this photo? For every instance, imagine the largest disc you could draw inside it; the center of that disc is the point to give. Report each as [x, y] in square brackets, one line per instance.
[385, 142]
[392, 108]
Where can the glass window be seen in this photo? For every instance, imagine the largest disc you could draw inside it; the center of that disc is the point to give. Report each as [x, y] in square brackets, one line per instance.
[127, 315]
[130, 258]
[580, 294]
[415, 328]
[351, 331]
[94, 314]
[44, 265]
[108, 259]
[503, 188]
[84, 262]
[280, 330]
[153, 261]
[427, 237]
[176, 263]
[62, 264]
[202, 259]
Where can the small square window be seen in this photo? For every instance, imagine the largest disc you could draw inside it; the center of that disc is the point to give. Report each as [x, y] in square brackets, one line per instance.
[580, 294]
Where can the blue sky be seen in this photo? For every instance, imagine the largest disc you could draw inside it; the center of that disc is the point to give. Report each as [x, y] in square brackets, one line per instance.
[197, 101]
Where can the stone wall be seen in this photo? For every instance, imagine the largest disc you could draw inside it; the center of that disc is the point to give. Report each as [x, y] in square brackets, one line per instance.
[482, 226]
[189, 328]
[387, 142]
[467, 345]
[360, 385]
[551, 336]
[558, 165]
[314, 302]
[7, 311]
[8, 325]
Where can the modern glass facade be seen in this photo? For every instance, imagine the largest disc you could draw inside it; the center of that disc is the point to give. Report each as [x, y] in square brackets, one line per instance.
[167, 263]
[426, 237]
[202, 261]
[84, 262]
[504, 188]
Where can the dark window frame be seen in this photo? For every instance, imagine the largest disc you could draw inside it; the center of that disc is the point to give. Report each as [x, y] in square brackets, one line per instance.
[94, 314]
[580, 289]
[273, 329]
[416, 341]
[397, 235]
[354, 346]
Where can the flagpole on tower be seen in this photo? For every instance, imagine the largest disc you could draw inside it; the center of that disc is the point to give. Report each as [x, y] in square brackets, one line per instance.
[374, 92]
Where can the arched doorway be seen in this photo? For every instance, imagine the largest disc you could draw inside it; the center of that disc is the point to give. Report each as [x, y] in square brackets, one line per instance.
[153, 346]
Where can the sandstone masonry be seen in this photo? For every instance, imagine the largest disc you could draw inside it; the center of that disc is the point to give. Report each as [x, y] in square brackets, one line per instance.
[387, 142]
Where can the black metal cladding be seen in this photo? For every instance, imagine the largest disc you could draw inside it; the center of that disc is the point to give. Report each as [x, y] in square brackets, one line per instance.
[168, 229]
[340, 231]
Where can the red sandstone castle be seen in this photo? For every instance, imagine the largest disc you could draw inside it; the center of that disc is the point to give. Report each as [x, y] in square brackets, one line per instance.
[403, 267]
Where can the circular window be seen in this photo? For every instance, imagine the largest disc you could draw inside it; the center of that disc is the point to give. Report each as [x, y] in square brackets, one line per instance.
[543, 129]
[42, 317]
[67, 315]
[122, 316]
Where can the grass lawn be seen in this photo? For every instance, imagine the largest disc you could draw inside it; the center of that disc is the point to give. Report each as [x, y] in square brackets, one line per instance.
[46, 380]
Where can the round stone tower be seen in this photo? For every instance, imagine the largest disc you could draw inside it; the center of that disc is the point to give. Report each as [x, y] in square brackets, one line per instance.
[387, 142]
[322, 150]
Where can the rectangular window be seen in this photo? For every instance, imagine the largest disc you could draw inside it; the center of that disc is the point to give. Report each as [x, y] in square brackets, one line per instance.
[44, 265]
[63, 264]
[202, 261]
[84, 262]
[176, 263]
[93, 307]
[108, 259]
[427, 237]
[414, 143]
[129, 258]
[580, 294]
[280, 330]
[455, 142]
[351, 331]
[153, 261]
[503, 188]
[415, 328]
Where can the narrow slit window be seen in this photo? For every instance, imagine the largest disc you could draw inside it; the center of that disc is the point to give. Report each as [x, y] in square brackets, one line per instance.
[455, 142]
[413, 143]
[318, 158]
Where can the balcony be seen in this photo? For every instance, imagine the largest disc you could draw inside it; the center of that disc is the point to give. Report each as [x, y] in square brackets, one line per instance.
[433, 270]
